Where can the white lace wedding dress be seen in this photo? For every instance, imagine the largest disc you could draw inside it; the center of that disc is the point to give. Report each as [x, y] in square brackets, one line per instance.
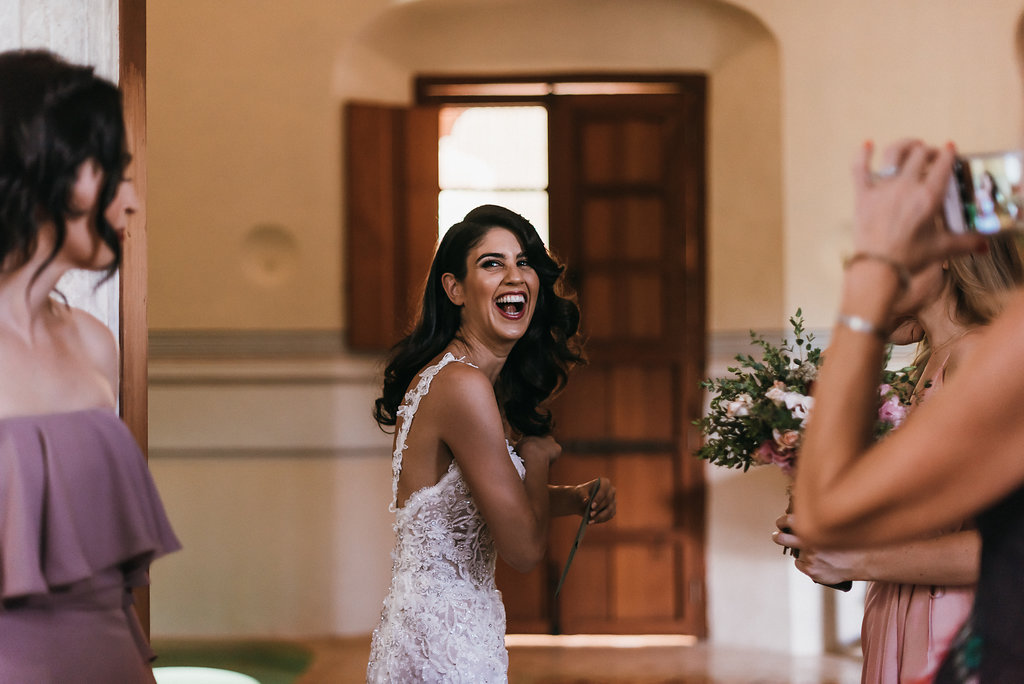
[443, 619]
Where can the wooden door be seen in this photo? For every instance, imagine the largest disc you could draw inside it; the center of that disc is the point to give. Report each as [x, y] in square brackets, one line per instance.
[627, 213]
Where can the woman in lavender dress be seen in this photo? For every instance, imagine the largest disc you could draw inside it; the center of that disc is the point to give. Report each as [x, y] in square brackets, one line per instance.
[80, 519]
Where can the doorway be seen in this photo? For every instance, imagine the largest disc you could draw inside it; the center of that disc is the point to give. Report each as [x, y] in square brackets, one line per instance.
[626, 201]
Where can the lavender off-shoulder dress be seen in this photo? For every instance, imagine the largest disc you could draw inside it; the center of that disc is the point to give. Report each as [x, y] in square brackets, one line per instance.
[80, 522]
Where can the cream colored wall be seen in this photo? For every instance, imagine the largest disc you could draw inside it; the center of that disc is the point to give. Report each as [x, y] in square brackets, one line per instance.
[244, 134]
[277, 482]
[244, 206]
[244, 121]
[745, 229]
[856, 70]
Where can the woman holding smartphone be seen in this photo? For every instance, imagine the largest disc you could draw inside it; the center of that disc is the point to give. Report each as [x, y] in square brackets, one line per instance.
[959, 456]
[921, 592]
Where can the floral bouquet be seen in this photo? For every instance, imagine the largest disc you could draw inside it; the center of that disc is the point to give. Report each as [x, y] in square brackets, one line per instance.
[758, 416]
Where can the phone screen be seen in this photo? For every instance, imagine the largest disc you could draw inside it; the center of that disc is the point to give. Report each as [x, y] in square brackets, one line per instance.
[986, 194]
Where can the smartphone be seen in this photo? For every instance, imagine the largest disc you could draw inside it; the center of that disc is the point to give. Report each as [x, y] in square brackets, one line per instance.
[986, 193]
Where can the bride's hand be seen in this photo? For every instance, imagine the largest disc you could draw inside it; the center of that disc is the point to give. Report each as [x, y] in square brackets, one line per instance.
[602, 508]
[894, 214]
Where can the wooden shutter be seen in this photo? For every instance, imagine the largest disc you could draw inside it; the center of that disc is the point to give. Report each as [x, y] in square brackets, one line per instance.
[390, 218]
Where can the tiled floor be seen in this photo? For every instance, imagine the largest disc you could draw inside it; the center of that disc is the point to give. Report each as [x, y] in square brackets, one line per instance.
[568, 661]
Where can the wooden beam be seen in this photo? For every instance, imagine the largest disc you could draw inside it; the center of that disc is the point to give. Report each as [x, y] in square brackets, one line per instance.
[134, 327]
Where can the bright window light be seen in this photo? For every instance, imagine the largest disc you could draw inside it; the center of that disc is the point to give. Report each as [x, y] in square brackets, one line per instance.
[493, 155]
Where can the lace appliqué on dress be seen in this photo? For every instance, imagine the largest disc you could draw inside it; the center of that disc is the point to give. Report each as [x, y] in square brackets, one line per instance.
[443, 619]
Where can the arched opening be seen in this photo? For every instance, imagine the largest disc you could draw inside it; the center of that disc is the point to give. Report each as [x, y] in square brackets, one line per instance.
[730, 48]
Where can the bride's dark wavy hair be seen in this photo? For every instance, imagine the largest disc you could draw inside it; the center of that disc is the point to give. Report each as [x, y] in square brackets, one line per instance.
[539, 363]
[54, 116]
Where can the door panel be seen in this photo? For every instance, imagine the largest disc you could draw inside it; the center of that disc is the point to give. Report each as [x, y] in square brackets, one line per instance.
[645, 582]
[651, 495]
[641, 399]
[627, 216]
[644, 241]
[644, 308]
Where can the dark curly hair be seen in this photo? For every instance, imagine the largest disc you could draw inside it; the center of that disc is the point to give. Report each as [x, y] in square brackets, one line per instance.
[54, 116]
[539, 363]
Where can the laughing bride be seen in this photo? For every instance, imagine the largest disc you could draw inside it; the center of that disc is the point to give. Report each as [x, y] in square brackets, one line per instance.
[494, 340]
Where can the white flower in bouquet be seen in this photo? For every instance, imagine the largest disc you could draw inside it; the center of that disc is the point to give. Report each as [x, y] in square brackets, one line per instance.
[739, 407]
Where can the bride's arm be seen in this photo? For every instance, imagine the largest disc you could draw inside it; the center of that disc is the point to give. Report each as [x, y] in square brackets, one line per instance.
[516, 510]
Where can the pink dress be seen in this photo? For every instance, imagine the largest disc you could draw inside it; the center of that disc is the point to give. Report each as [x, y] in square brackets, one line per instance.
[908, 628]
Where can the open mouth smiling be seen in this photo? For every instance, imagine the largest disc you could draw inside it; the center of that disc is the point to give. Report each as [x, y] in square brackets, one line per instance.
[512, 305]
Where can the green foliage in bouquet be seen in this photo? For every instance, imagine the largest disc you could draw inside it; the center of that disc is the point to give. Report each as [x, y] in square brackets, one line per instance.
[757, 416]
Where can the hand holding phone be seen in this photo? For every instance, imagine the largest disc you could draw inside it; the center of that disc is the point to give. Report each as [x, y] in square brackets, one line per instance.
[986, 193]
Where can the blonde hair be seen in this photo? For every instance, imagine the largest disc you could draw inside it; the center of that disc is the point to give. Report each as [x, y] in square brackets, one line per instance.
[980, 284]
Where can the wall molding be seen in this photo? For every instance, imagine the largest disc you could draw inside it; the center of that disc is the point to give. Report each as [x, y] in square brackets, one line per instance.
[232, 344]
[252, 453]
[211, 371]
[299, 344]
[320, 357]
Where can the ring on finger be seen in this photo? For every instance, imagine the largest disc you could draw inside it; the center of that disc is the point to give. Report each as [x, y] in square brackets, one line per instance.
[886, 172]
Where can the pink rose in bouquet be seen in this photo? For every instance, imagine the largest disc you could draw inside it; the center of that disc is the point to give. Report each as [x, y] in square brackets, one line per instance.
[894, 407]
[892, 411]
[766, 454]
[786, 460]
[786, 439]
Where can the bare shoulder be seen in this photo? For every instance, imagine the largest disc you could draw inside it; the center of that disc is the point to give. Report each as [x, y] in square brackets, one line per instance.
[999, 342]
[90, 337]
[1009, 325]
[462, 384]
[462, 400]
[966, 345]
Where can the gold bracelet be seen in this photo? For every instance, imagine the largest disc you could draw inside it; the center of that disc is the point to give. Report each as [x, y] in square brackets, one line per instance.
[861, 325]
[902, 272]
